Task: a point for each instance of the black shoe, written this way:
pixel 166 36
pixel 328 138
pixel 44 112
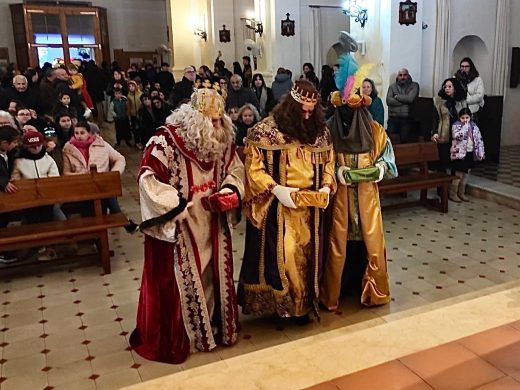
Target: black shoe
pixel 131 227
pixel 7 258
pixel 303 320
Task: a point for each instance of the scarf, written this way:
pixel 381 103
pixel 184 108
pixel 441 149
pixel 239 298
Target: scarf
pixel 351 130
pixel 83 146
pixel 261 94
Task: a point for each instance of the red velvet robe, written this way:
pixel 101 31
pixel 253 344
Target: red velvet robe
pixel 187 300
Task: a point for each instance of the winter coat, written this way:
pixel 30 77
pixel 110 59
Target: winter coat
pixel 400 98
pixel 182 90
pixel 241 97
pixel 282 84
pixel 104 156
pixel 134 102
pixel 475 95
pixel 34 166
pixel 459 143
pixel 377 110
pixel 445 117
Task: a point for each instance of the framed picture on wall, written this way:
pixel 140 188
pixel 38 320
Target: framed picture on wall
pixel 407 12
pixel 287 26
pixel 224 35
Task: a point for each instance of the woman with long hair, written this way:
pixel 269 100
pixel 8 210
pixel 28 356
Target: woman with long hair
pixel 450 100
pixel 264 94
pixel 470 79
pixel 376 109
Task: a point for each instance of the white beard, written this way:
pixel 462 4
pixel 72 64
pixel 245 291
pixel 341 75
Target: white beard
pixel 199 135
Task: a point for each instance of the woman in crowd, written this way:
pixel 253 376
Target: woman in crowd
pixel 450 100
pixel 376 109
pixel 472 82
pixel 264 95
pixel 23 115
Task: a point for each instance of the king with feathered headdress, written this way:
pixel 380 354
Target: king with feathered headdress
pixel 364 156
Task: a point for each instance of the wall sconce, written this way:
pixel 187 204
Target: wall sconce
pixel 201 33
pixel 354 10
pixel 252 24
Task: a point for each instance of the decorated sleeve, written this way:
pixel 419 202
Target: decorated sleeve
pixel 259 182
pixel 384 152
pixel 329 176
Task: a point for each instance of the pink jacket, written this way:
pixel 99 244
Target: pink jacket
pixel 104 156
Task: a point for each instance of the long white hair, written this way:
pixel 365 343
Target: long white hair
pixel 198 132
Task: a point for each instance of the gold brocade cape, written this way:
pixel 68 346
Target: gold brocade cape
pixel 362 199
pixel 283 246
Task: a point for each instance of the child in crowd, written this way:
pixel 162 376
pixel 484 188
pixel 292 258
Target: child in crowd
pixel 233 114
pixel 248 116
pixel 146 119
pixel 64 125
pixel 8 143
pixel 35 163
pixel 23 115
pixel 133 106
pixel 119 113
pixel 84 150
pixel 466 148
pixel 78 84
pixel 63 104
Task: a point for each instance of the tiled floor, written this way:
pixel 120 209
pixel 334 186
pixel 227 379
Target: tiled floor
pixel 507 171
pixel 67 327
pixel 484 361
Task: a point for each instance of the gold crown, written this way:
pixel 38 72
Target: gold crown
pixel 304 97
pixel 208 99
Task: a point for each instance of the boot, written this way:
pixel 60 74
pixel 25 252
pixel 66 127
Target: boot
pixel 462 187
pixel 454 187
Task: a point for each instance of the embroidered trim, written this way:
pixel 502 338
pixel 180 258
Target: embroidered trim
pixel 203 187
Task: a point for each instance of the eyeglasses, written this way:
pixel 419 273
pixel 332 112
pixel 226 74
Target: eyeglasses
pixel 465 66
pixel 24 114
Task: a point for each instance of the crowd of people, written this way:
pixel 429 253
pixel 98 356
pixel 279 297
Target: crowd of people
pixel 301 160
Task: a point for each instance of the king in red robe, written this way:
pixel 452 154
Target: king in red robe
pixel 190 184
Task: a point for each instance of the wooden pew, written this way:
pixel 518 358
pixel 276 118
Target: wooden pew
pixel 417 155
pixel 90 188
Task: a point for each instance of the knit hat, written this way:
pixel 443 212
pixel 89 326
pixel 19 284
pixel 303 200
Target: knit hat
pixel 33 138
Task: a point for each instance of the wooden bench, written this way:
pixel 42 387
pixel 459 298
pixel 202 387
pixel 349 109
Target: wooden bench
pixel 408 158
pixel 90 188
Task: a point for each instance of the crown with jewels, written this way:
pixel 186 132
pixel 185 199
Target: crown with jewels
pixel 304 97
pixel 208 98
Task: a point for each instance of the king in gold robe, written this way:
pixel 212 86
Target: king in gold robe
pixel 283 246
pixel 360 144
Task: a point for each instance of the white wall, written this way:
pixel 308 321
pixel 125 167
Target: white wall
pixel 133 25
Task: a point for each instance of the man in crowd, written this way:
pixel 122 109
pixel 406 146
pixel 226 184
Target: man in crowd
pixel 184 88
pixel 289 176
pixel 190 183
pixel 166 79
pixel 20 92
pixel 239 95
pixel 400 98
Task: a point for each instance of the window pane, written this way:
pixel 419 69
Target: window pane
pixel 82 53
pixel 46 28
pixel 53 55
pixel 80 29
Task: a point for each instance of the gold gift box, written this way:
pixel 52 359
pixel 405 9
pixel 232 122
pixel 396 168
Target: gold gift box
pixel 307 198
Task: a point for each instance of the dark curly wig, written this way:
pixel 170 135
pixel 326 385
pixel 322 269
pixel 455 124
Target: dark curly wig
pixel 289 117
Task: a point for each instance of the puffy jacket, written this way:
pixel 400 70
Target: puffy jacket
pixel 104 156
pixel 475 95
pixel 400 98
pixel 459 143
pixel 34 166
pixel 282 84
